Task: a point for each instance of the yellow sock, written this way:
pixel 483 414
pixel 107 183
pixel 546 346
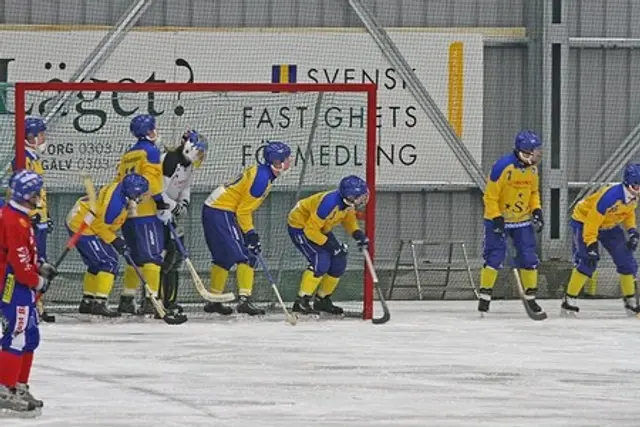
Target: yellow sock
pixel 529 278
pixel 104 284
pixel 218 279
pixel 244 276
pixel 576 282
pixel 627 285
pixel 328 285
pixel 592 285
pixel 130 281
pixel 89 284
pixel 488 276
pixel 151 274
pixel 308 284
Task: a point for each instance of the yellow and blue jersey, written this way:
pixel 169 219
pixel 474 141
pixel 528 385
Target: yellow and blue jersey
pixel 244 194
pixel 318 214
pixel 512 190
pixel 143 158
pixel 33 162
pixel 110 215
pixel 609 206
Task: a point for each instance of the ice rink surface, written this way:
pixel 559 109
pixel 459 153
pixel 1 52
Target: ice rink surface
pixel 433 364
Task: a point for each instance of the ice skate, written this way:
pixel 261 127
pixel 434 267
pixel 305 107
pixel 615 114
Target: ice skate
pixel 100 309
pixel 569 307
pixel 86 305
pixel 325 304
pixel 530 296
pixel 484 300
pixel 11 404
pixel 631 306
pixel 217 307
pixel 127 305
pixel 22 390
pixel 245 306
pixel 303 306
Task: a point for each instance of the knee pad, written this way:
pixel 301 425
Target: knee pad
pixel 338 265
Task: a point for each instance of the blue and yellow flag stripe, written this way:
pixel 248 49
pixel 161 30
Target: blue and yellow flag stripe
pixel 284 73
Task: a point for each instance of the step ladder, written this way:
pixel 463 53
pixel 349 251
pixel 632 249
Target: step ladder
pixel 448 266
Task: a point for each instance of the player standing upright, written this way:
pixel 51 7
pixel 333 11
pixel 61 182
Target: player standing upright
pixel 598 218
pixel 143 229
pixel 99 244
pixel 35 145
pixel 177 169
pixel 512 210
pixel 22 276
pixel 310 225
pixel 227 218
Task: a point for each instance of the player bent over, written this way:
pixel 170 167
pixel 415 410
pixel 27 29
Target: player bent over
pixel 227 218
pixel 177 169
pixel 598 218
pixel 21 279
pixel 99 245
pixel 512 210
pixel 143 230
pixel 310 224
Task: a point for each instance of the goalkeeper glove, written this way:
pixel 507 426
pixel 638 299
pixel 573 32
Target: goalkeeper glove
pixel 634 238
pixel 361 238
pixel 253 242
pixel 181 208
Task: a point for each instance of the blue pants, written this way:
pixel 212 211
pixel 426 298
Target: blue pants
pixel 613 240
pixel 145 238
pixel 224 238
pixel 40 232
pixel 321 261
pixel 97 255
pixel 524 242
pixel 18 306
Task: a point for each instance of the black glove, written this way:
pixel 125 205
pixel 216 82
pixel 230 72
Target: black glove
pixel 120 246
pixel 49 225
pixel 361 238
pixel 332 244
pixel 593 254
pixel 35 220
pixel 253 242
pixel 634 238
pixel 180 208
pixel 537 220
pixel 47 271
pixel 498 225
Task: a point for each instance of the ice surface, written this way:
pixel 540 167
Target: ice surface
pixel 433 364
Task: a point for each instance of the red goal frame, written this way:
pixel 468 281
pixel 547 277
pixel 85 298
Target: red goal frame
pixel 370 89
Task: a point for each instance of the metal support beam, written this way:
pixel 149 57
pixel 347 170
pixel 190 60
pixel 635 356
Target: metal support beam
pixel 420 93
pixel 555 69
pixel 603 43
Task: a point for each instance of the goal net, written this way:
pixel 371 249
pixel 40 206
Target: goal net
pixel 329 128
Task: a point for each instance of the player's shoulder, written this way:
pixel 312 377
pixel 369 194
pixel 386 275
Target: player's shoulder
pixel 327 202
pixel 170 161
pixel 610 195
pixel 503 164
pixel 152 151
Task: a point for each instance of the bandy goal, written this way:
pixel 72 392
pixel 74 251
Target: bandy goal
pixel 331 129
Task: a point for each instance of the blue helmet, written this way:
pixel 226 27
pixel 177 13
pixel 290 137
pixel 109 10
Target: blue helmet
pixel 275 151
pixel 24 184
pixel 354 191
pixel 142 125
pixel 527 141
pixel 631 175
pixel 33 126
pixel 134 186
pixel 194 146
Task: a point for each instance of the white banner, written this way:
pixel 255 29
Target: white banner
pixel 94 130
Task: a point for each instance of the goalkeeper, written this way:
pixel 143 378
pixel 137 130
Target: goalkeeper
pixel 177 169
pixel 143 230
pixel 99 245
pixel 605 217
pixel 227 219
pixel 310 225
